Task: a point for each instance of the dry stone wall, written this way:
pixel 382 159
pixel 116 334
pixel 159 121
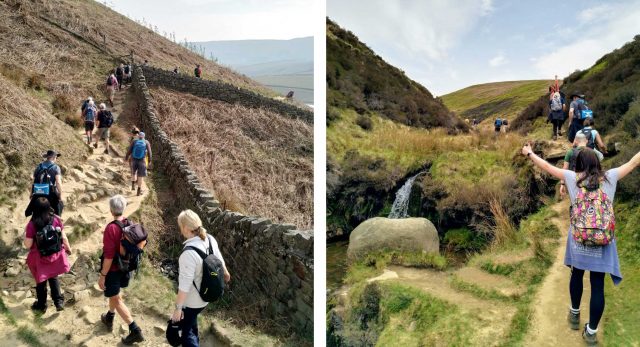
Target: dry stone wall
pixel 221 91
pixel 271 264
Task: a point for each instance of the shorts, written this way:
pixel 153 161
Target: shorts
pixel 89 125
pixel 114 281
pixel 139 166
pixel 103 133
pixel 497 129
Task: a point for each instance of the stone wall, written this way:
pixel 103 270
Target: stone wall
pixel 221 91
pixel 271 264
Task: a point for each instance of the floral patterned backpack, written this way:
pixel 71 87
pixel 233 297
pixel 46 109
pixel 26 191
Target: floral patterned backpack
pixel 592 219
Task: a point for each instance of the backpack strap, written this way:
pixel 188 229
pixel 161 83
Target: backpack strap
pixel 202 255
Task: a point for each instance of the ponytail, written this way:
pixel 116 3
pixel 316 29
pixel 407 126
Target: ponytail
pixel 202 232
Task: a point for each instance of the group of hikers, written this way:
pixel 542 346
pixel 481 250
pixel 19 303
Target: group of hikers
pixel 591 243
pixel 197 72
pixel 123 240
pixel 500 124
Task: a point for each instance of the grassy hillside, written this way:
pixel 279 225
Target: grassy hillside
pixel 256 162
pixel 359 79
pixel 498 99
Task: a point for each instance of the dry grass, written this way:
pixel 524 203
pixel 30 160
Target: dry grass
pixel 504 231
pixel 255 161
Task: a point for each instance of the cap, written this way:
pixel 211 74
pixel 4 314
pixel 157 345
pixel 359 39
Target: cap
pixel 51 153
pixel 141 135
pixel 173 333
pixel 581 96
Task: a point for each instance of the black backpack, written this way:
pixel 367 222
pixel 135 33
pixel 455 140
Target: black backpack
pixel 44 182
pixel 108 119
pixel 49 239
pixel 134 239
pixel 591 141
pixel 574 158
pixel 119 71
pixel 212 285
pixel 126 69
pixel 109 81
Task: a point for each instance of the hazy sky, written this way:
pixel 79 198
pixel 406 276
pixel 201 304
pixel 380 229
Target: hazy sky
pixel 448 45
pixel 210 20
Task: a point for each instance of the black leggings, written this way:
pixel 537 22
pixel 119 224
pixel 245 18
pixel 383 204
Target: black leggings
pixel 557 125
pixel 596 305
pixel 56 296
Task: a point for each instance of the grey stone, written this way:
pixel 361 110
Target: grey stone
pixel 408 234
pixel 159 329
pixel 81 295
pixel 12 271
pixel 85 310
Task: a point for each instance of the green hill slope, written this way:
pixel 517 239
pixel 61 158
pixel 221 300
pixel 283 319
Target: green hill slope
pixel 359 79
pixel 490 100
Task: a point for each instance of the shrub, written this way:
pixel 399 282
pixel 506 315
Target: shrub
pixel 61 103
pixel 36 81
pixel 364 122
pixel 73 121
pixel 463 239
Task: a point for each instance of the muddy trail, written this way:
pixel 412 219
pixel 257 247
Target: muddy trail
pixel 87 188
pixel 549 323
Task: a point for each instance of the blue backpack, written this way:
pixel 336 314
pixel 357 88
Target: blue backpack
pixel 139 149
pixel 498 122
pixel 582 111
pixel 90 114
pixel 44 182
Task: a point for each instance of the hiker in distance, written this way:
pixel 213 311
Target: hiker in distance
pixel 556 113
pixel 505 124
pixel 140 153
pixel 89 119
pixel 591 244
pixel 114 273
pixel 200 253
pixel 112 85
pixel 198 71
pixel 47 244
pixel 120 75
pixel 578 112
pixel 47 183
pixel 498 125
pixel 127 74
pixel 105 120
pixel 571 157
pixel 175 70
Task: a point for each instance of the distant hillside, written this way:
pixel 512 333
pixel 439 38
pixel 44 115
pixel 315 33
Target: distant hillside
pixel 489 100
pixel 359 79
pixel 281 65
pixel 612 89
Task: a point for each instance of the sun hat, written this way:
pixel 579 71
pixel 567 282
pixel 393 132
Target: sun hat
pixel 173 333
pixel 51 153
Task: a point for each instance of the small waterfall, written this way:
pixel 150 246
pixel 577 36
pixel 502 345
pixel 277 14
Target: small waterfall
pixel 401 203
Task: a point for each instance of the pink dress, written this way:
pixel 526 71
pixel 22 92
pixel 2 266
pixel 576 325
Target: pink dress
pixel 43 268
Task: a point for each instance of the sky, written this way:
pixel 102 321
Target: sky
pixel 448 45
pixel 213 20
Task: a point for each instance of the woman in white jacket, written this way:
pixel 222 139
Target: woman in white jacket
pixel 188 302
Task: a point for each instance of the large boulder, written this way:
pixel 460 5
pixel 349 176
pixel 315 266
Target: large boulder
pixel 407 234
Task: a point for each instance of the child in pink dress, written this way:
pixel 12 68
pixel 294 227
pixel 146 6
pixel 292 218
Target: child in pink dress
pixel 46 268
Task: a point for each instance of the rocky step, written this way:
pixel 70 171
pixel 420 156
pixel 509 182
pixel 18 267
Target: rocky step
pixel 490 282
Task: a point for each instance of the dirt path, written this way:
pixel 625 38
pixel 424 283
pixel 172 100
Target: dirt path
pixel 87 188
pixel 549 326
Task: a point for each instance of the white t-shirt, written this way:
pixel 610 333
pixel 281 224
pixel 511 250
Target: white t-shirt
pixel 191 269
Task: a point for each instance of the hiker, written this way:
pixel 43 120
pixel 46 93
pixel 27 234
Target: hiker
pixel 85 104
pixel 498 125
pixel 505 124
pixel 570 158
pixel 556 113
pixel 139 150
pixel 112 279
pixel 189 302
pixel 127 74
pixel 47 259
pixel 593 137
pixel 289 95
pixel 120 75
pixel 105 120
pixel 146 63
pixel 175 70
pixel 47 183
pixel 112 85
pixel 89 119
pixel 589 188
pixel 197 71
pixel 578 112
pixel 475 123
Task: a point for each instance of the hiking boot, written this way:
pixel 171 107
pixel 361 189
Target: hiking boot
pixel 590 339
pixel 39 308
pixel 106 151
pixel 133 337
pixel 555 137
pixel 133 185
pixel 139 191
pixel 107 321
pixel 574 320
pixel 95 145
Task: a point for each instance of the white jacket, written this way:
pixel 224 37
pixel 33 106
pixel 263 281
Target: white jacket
pixel 191 269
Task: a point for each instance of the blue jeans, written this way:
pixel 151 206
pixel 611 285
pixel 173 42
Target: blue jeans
pixel 190 327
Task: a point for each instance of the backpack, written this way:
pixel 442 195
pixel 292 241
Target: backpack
pixel 126 69
pixel 574 158
pixel 592 218
pixel 44 183
pixel 212 285
pixel 583 111
pixel 498 122
pixel 139 149
pixel 119 71
pixel 132 243
pixel 90 114
pixel 109 81
pixel 107 119
pixel 84 105
pixel 591 140
pixel 556 102
pixel 49 239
